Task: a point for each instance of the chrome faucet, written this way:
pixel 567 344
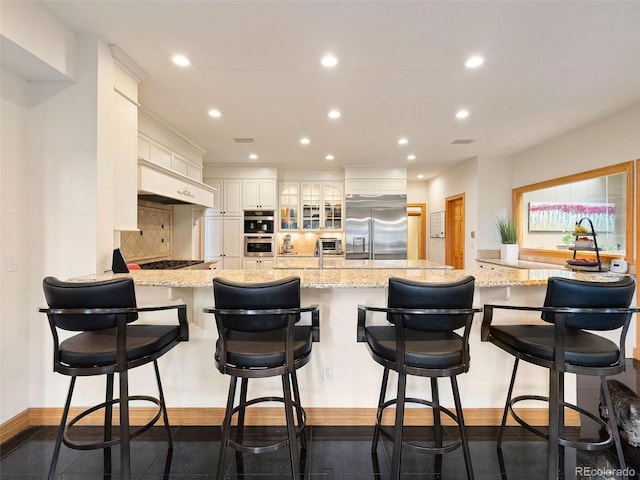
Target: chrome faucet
pixel 320 252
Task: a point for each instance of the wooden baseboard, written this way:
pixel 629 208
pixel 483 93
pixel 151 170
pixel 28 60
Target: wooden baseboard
pixel 15 425
pixel 274 416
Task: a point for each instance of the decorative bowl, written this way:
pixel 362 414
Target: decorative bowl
pixel 583 244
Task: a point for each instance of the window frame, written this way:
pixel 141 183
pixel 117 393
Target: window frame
pixel 606 256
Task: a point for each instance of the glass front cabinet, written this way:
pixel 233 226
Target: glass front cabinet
pixel 311 206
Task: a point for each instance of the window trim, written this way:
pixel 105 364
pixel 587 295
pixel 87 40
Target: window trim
pixel 626 167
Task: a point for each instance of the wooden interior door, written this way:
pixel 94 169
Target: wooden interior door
pixel 416 231
pixel 454 228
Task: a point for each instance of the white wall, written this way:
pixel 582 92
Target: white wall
pixel 608 141
pixel 461 179
pixel 15 225
pixel 494 198
pixel 57 193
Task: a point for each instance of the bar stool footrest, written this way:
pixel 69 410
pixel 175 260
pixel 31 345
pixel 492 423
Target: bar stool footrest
pixel 274 446
pixel 581 445
pixel 412 446
pixel 109 443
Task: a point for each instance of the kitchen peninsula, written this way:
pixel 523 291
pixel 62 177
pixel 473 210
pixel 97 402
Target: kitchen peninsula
pixel 193 385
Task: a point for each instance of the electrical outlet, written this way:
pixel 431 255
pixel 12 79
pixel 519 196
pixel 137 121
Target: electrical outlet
pixel 327 372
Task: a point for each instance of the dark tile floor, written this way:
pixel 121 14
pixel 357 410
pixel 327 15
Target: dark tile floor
pixel 338 453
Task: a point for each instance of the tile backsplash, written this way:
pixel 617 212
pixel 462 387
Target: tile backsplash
pixel 154 241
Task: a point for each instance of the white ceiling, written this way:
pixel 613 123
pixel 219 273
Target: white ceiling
pixel 551 66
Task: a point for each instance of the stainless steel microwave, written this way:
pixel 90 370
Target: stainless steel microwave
pixel 330 245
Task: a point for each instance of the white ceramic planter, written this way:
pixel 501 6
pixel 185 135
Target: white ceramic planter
pixel 509 252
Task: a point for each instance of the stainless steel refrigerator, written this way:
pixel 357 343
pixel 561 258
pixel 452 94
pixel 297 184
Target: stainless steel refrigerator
pixel 376 227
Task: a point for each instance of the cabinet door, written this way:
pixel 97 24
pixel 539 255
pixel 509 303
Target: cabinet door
pixel 217 196
pixel 332 212
pixel 267 194
pixel 212 237
pixel 266 264
pixel 311 199
pixel 232 242
pixel 251 264
pixel 232 194
pixel 259 194
pixel 232 263
pixel 251 194
pixel 289 206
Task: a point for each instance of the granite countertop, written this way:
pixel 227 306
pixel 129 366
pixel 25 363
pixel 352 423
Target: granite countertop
pixel 348 278
pixel 520 264
pixel 333 262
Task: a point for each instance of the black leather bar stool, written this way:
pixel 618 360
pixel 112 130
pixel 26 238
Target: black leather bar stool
pixel 419 338
pixel 566 343
pixel 108 342
pixel 260 334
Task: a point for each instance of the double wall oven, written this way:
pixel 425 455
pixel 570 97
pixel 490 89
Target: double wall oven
pixel 259 238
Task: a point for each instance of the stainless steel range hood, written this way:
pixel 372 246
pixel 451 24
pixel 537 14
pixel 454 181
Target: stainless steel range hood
pixel 162 185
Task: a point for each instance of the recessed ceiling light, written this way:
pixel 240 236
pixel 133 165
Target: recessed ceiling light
pixel 462 114
pixel 421 176
pixel 215 113
pixel 305 141
pixel 253 156
pixel 181 60
pixel 329 157
pixel 474 61
pixel 411 157
pixel 403 141
pixel 334 114
pixel 329 60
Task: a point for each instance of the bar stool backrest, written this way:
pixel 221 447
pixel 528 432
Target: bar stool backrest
pixel 405 293
pixel 118 293
pixel 267 295
pixel 566 292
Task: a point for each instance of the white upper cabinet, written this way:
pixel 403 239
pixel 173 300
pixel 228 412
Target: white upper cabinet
pixel 259 194
pixel 228 197
pixel 375 180
pixel 232 195
pixel 374 185
pixel 311 206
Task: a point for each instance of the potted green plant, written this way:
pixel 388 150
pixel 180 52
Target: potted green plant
pixel 508 231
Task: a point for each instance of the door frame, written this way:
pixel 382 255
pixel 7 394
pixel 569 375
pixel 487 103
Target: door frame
pixel 422 239
pixel 449 235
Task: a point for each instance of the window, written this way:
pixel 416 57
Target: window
pixel 547 212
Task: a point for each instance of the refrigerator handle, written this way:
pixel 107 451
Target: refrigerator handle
pixel 371 233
